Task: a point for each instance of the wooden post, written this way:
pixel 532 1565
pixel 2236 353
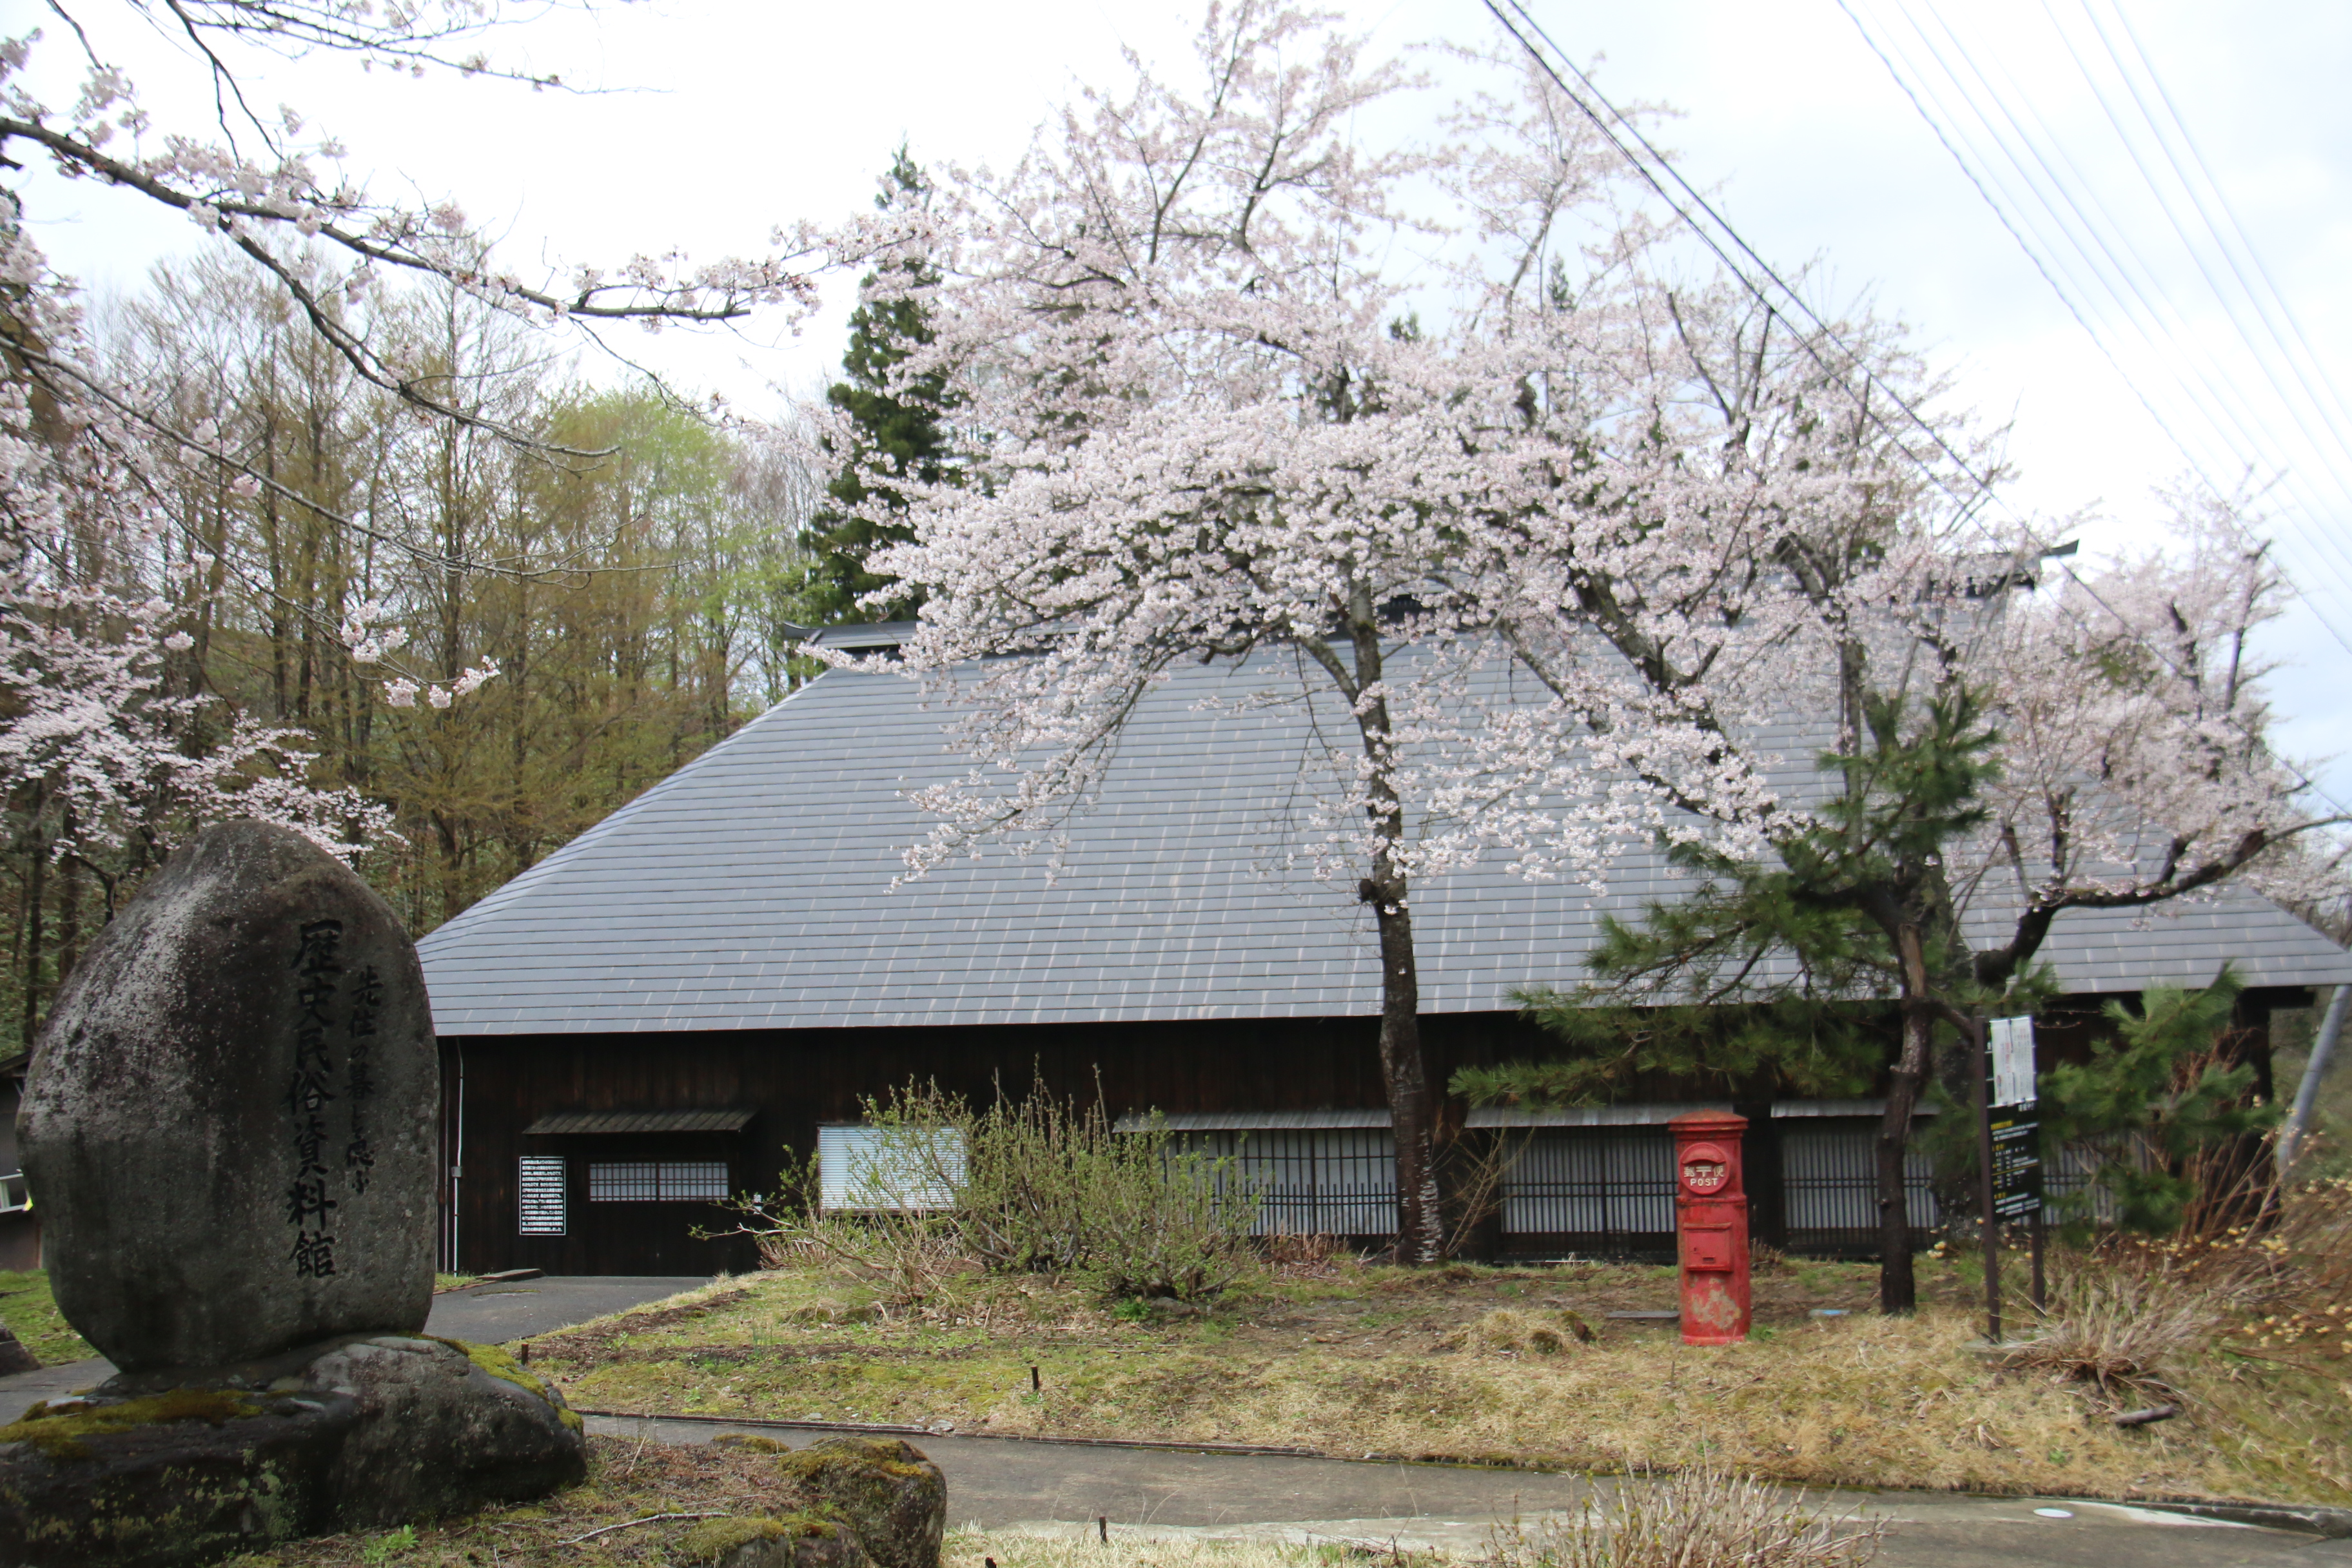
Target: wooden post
pixel 1981 1078
pixel 2041 1294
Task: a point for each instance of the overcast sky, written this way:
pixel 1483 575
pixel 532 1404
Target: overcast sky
pixel 727 116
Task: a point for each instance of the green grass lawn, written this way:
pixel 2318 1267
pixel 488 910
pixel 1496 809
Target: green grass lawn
pixel 30 1313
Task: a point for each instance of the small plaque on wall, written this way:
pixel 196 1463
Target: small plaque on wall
pixel 539 1195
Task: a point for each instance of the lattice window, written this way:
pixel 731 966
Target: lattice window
pixel 687 1179
pixel 539 1187
pixel 623 1182
pixel 657 1181
pixel 1828 1180
pixel 2070 1187
pixel 1325 1181
pixel 1617 1182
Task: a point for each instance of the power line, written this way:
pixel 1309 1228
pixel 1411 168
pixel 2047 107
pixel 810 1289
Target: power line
pixel 2221 244
pixel 2181 228
pixel 1913 84
pixel 1652 177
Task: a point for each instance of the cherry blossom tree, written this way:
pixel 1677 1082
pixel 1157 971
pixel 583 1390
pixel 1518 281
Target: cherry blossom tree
pixel 2098 744
pixel 109 757
pixel 1186 333
pixel 1214 423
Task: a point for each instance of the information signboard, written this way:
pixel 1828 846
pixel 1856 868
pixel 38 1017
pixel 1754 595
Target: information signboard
pixel 2016 1164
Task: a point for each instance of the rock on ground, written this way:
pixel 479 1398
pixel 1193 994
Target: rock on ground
pixel 357 1432
pixel 884 1489
pixel 229 1122
pixel 863 1502
pixel 794 1541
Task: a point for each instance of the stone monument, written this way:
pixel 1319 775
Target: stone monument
pixel 229 1126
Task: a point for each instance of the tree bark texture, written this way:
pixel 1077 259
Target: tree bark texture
pixel 1404 1072
pixel 1898 1288
pixel 1421 1231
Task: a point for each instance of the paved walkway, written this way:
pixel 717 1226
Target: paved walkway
pixel 489 1312
pixel 494 1313
pixel 1042 1487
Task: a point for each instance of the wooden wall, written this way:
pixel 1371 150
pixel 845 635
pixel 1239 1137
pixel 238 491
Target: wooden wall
pixel 795 1080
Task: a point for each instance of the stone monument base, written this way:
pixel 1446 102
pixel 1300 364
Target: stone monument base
pixel 354 1433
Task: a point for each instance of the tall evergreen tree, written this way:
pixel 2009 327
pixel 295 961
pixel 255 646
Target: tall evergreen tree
pixel 896 432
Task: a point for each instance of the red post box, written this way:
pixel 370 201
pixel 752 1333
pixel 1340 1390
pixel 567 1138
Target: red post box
pixel 1711 1228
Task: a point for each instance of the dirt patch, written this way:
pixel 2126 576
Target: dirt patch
pixel 603 1339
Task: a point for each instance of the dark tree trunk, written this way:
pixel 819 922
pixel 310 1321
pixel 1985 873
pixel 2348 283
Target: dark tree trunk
pixel 1421 1225
pixel 35 891
pixel 69 902
pixel 1404 1071
pixel 1759 1155
pixel 1898 1289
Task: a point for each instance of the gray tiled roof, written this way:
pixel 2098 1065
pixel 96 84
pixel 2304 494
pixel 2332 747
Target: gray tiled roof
pixel 753 889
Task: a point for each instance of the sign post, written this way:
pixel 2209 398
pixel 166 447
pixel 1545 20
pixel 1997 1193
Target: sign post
pixel 2015 1134
pixel 2010 1146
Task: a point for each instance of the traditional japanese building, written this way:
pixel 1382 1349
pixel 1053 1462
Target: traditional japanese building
pixel 724 970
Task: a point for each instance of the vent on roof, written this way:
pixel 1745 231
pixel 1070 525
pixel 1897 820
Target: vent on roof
pixel 575 1121
pixel 881 636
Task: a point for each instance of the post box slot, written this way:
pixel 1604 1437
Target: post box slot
pixel 1707 1249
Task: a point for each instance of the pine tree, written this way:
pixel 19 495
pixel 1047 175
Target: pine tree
pixel 896 433
pixel 1814 972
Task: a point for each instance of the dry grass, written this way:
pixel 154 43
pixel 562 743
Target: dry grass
pixel 1353 1360
pixel 1701 1518
pixel 1172 1549
pixel 627 1481
pixel 2120 1331
pixel 1539 1333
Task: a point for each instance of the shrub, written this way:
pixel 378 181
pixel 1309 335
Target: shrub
pixel 1055 1187
pixel 2166 1108
pixel 1033 1186
pixel 905 1255
pixel 1698 1518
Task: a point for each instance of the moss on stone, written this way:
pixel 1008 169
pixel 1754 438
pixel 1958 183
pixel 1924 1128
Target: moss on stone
pixel 58 1434
pixel 750 1443
pixel 505 1368
pixel 715 1538
pixel 851 1459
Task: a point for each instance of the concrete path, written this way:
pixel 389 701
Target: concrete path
pixel 1042 1488
pixel 495 1313
pixel 489 1312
